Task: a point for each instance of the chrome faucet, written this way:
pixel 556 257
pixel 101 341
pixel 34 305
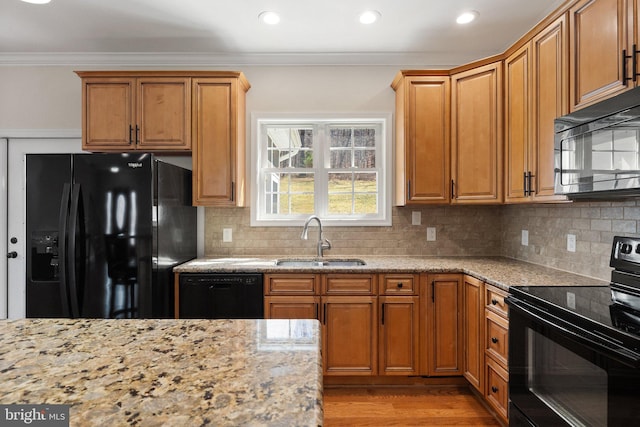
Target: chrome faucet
pixel 322 242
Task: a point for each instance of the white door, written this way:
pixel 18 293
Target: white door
pixel 16 229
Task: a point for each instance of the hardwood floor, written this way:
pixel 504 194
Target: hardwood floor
pixel 404 406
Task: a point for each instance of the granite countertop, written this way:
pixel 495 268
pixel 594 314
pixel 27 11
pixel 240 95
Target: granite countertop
pixel 498 271
pixel 166 372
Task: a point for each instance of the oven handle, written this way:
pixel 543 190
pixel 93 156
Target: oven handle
pixel 582 336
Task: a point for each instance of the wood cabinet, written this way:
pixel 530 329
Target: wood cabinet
pixel 535 94
pixel 441 305
pixel 601 36
pixel 496 347
pixel 423 125
pixel 473 331
pixel 476 135
pixel 291 296
pixel 219 146
pixel 127 111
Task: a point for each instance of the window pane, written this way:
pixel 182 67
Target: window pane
pixel 366 183
pixel 289 193
pixel 364 159
pixel 340 204
pixel 340 159
pixel 340 137
pixel 302 204
pixel 340 182
pixel 366 204
pixel 364 137
pixel 290 147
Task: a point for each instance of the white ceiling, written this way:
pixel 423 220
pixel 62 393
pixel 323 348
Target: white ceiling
pixel 411 32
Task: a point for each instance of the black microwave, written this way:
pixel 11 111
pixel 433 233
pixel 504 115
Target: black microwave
pixel 597 149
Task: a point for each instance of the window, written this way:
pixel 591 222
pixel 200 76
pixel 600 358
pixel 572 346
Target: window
pixel 335 168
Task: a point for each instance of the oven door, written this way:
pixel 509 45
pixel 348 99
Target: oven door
pixel 562 374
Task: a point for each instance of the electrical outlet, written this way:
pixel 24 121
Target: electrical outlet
pixel 525 237
pixel 571 242
pixel 571 300
pixel 431 234
pixel 227 235
pixel 416 218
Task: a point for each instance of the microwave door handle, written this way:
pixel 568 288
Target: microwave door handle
pixel 587 338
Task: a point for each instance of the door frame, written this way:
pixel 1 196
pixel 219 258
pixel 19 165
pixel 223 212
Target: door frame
pixel 19 143
pixel 4 249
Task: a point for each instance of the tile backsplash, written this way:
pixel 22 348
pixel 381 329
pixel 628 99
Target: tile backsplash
pixel 460 231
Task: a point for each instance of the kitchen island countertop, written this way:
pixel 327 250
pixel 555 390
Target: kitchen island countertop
pixel 498 271
pixel 166 372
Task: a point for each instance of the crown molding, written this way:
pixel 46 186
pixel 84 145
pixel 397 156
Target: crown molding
pixel 179 59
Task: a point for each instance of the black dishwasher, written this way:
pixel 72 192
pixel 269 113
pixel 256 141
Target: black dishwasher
pixel 221 296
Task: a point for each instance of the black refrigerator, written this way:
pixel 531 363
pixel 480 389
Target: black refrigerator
pixel 104 232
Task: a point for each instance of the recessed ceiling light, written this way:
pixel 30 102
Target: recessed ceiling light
pixel 37 1
pixel 369 16
pixel 466 17
pixel 270 18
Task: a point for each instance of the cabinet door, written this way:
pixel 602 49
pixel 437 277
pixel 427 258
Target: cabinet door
pixel 108 108
pixel 549 55
pixel 291 307
pixel 517 124
pixel 398 332
pixel 473 341
pixel 427 140
pixel 476 136
pixel 349 326
pixel 599 33
pixel 444 324
pixel 219 145
pixel 163 117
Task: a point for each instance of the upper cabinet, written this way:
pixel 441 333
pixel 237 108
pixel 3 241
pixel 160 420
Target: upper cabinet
pixel 535 94
pixel 476 135
pixel 422 137
pixel 134 112
pixel 601 50
pixel 219 150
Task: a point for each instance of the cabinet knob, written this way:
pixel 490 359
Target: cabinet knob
pixel 494 301
pixel 400 284
pixel 494 340
pixel 494 389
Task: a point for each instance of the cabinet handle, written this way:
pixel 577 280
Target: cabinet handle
pixel 529 178
pixel 137 134
pixel 634 63
pixel 409 190
pixel 494 340
pixel 382 316
pixel 317 311
pixel 399 284
pixel 130 134
pixel 453 193
pixel 494 301
pixel 494 389
pixel 625 79
pixel 324 317
pixel 433 291
pixel 233 191
pixel 524 185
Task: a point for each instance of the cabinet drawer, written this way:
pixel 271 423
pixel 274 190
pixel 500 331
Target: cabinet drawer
pixel 398 284
pixel 497 337
pixel 494 299
pixel 349 284
pixel 497 388
pixel 291 284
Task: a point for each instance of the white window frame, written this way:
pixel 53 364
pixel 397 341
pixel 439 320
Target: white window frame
pixel 384 161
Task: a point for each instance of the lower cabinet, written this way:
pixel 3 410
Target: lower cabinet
pixel 473 331
pixel 398 335
pixel 496 351
pixel 291 307
pixel 441 305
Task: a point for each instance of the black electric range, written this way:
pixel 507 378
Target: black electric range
pixel 574 351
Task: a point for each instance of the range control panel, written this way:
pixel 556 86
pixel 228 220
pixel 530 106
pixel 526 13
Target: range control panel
pixel 625 254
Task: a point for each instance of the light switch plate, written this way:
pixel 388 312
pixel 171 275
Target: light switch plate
pixel 571 242
pixel 227 235
pixel 416 218
pixel 431 234
pixel 525 237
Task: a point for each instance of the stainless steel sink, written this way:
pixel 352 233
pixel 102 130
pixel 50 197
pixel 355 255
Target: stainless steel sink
pixel 320 262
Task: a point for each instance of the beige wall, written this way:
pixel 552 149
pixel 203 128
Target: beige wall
pixel 49 98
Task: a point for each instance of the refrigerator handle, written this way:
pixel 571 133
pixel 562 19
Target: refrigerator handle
pixel 62 248
pixel 74 218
